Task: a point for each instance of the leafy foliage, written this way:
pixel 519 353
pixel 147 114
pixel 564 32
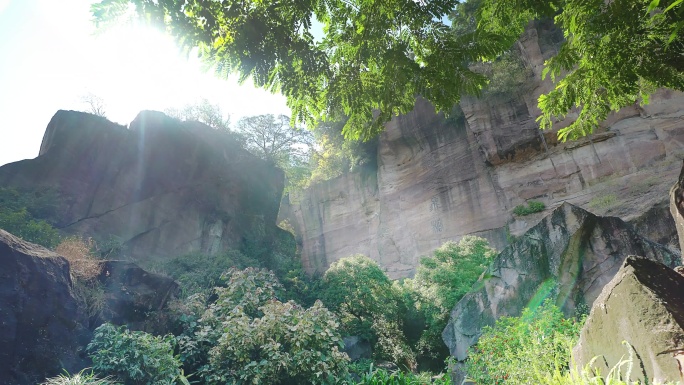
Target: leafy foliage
pixel 273 138
pixel 19 213
pixel 334 156
pixel 616 53
pixel 531 208
pixel 136 358
pixel 539 341
pixel 288 344
pixel 441 281
pixel 247 336
pixel 374 58
pixel 363 296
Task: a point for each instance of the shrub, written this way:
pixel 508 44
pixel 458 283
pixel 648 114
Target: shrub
pixel 531 208
pixel 21 224
pixel 81 378
pixel 442 280
pixel 287 345
pixel 539 341
pixel 362 295
pixel 136 358
pixel 247 336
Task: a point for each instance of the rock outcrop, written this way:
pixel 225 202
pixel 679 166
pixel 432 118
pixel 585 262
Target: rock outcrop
pixel 132 294
pixel 677 207
pixel 162 187
pixel 570 255
pixel 644 306
pixel 42 326
pixel 438 179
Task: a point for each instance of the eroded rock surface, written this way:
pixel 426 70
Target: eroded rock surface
pixel 42 328
pixel 439 179
pixel 571 250
pixel 644 306
pixel 677 207
pixel 132 294
pixel 162 188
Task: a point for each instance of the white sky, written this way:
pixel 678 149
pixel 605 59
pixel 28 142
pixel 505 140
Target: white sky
pixel 50 59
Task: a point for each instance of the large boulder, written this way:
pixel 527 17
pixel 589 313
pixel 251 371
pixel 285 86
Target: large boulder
pixel 42 325
pixel 571 255
pixel 132 295
pixel 644 306
pixel 162 187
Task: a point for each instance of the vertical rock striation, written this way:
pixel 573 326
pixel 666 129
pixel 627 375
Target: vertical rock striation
pixel 440 179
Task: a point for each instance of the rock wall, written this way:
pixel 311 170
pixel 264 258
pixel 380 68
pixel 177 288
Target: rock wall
pixel 644 306
pixel 42 325
pixel 570 255
pixel 439 180
pixel 161 187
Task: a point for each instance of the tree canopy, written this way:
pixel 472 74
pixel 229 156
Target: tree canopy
pixel 376 56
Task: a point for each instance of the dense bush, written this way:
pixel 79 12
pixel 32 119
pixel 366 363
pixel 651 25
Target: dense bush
pixel 247 335
pixel 135 358
pixel 441 281
pixel 531 208
pixel 368 306
pixel 23 226
pixel 511 352
pixel 23 214
pixel 287 345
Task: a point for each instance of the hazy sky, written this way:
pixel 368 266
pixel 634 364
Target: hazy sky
pixel 50 59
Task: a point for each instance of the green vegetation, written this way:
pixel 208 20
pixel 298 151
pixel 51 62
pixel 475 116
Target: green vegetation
pixel 363 297
pixel 84 377
pixel 374 57
pixel 531 208
pixel 615 54
pixel 518 348
pixel 603 202
pixel 26 215
pixel 247 336
pixel 200 273
pixel 384 377
pixel 135 358
pixel 441 281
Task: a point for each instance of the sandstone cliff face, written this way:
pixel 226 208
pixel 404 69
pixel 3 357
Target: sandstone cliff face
pixel 570 255
pixel 162 187
pixel 644 306
pixel 437 180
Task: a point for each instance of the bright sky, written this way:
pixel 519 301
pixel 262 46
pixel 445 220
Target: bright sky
pixel 50 59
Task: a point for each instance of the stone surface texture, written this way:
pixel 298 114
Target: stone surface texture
pixel 570 255
pixel 644 306
pixel 133 294
pixel 42 326
pixel 161 187
pixel 677 207
pixel 439 180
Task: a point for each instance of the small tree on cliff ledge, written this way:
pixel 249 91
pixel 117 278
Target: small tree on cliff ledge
pixel 376 56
